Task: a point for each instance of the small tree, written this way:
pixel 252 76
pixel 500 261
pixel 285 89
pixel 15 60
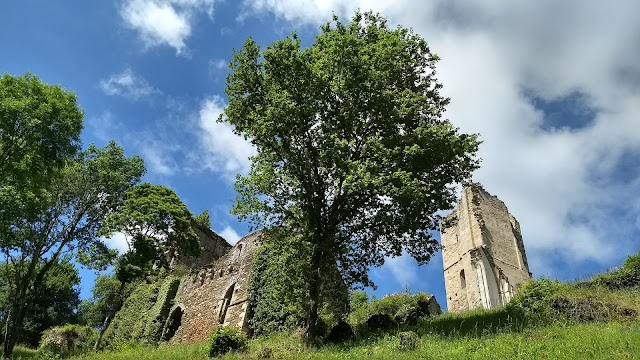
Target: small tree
pixel 157 227
pixel 55 304
pixel 352 152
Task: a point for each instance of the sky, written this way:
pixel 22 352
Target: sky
pixel 553 89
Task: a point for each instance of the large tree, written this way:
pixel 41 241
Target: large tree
pixel 353 153
pixel 40 127
pixel 89 189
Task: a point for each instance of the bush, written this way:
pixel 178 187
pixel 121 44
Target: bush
pixel 534 300
pixel 67 340
pixel 405 308
pixel 627 277
pixel 407 341
pixel 380 322
pixel 225 339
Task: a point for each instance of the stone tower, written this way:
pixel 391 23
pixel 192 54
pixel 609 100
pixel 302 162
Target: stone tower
pixel 483 252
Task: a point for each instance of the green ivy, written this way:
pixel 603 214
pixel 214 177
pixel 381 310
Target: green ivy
pixel 278 286
pixel 143 314
pixel 160 311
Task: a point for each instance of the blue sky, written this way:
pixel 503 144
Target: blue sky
pixel 553 89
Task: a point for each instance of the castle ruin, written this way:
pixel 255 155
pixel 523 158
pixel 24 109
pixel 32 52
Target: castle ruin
pixel 483 254
pixel 482 251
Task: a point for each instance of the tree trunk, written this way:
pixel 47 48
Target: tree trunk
pixel 11 333
pixel 109 318
pixel 311 333
pixel 105 325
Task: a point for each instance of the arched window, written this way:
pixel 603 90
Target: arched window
pixel 224 306
pixel 173 323
pixel 239 250
pixel 463 280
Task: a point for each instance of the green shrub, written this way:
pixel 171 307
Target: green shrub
pixel 404 308
pixel 67 340
pixel 626 277
pixel 225 339
pixel 533 301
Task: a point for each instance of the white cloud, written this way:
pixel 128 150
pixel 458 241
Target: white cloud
pixel 164 22
pixel 128 85
pixel 217 65
pixel 230 235
pixel 223 151
pixel 403 269
pixel 117 241
pixel 104 126
pixel 563 184
pixel 158 156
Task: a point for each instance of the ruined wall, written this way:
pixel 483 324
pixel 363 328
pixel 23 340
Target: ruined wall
pixel 214 246
pixel 213 295
pixel 483 252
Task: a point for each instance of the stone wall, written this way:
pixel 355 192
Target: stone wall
pixel 214 246
pixel 483 252
pixel 213 295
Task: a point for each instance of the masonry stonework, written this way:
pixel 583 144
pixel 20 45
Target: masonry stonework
pixel 215 292
pixel 483 252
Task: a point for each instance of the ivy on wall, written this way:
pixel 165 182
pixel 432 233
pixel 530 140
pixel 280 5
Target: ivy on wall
pixel 278 286
pixel 143 314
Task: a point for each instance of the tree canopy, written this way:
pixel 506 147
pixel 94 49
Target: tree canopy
pixel 65 223
pixel 157 227
pixel 353 153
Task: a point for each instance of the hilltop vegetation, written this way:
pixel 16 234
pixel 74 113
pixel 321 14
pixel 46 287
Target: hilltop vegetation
pixel 595 319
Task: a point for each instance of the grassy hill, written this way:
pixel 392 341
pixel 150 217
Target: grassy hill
pixel 594 319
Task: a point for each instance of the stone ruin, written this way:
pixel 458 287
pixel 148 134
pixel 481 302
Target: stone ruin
pixel 482 251
pixel 216 290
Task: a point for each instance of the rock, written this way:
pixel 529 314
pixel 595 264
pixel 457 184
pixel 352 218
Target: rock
pixel 407 341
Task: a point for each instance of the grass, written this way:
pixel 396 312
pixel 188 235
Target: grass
pixel 612 340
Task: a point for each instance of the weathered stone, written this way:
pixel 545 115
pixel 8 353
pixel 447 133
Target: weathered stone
pixel 407 341
pixel 483 252
pixel 215 294
pixel 433 307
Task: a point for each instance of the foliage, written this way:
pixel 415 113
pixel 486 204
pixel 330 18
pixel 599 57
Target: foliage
pixel 276 291
pixel 54 305
pixel 143 314
pixel 89 189
pixel 154 221
pixel 402 308
pixel 626 277
pixel 67 340
pixel 534 299
pixel 224 340
pixel 352 152
pixel 129 323
pixel 160 310
pixel 107 293
pixel 277 280
pixel 40 128
pixel 203 219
